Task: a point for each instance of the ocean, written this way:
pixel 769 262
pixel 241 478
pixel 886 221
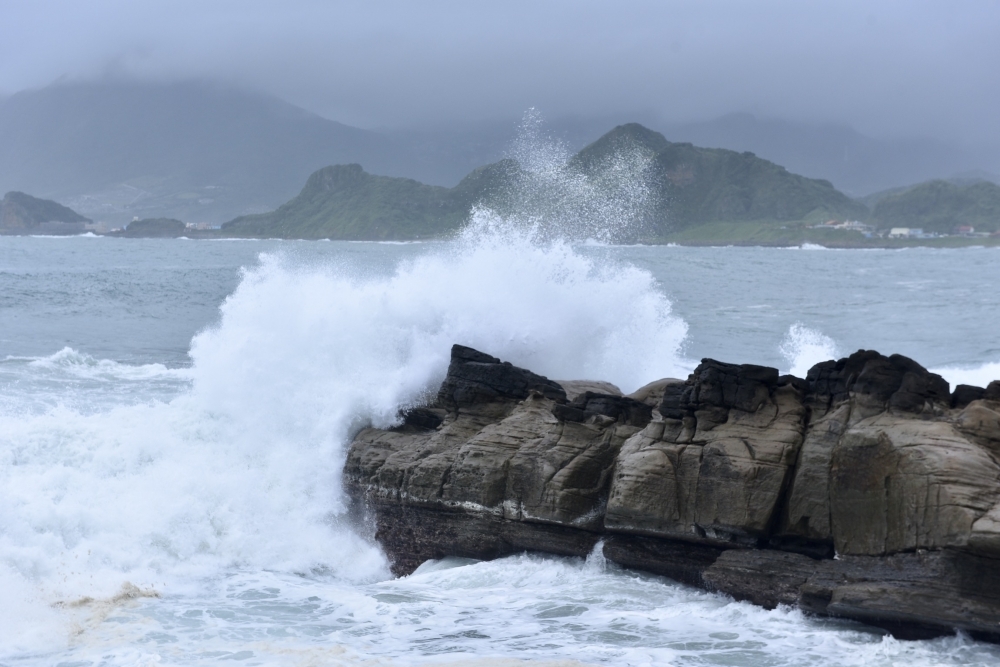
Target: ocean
pixel 174 416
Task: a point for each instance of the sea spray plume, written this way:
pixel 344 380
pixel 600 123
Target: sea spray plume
pixel 327 349
pixel 609 198
pixel 243 470
pixel 305 355
pixel 803 348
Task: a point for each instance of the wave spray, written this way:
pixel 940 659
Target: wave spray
pixel 239 471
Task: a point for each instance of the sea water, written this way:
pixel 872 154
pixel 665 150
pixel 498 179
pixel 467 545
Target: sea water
pixel 174 416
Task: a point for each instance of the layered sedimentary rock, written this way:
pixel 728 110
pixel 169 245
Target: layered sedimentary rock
pixel 866 490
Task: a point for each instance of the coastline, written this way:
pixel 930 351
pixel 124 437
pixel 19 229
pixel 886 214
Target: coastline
pixel 945 242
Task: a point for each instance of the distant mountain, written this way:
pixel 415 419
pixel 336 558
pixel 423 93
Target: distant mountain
pixel 346 202
pixel 207 153
pixel 941 206
pixel 856 164
pixel 691 186
pixel 24 214
pixel 195 151
pixel 963 179
pixel 443 153
pixel 702 185
pixel 153 228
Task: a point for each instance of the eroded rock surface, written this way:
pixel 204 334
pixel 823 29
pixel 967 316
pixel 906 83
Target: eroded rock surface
pixel 737 480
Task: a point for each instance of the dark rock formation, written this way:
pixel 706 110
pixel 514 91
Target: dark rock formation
pixel 736 480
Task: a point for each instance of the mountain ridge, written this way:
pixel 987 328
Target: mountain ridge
pixel 206 152
pixel 21 213
pixel 941 206
pixel 692 186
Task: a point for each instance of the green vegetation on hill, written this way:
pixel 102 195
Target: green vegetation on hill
pixel 705 185
pixel 346 202
pixel 23 213
pixel 690 187
pixel 940 206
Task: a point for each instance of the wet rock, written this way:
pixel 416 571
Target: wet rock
pixel 898 485
pixel 965 394
pixel 876 383
pixel 498 453
pixel 914 594
pixel 475 379
pixel 736 480
pixel 867 398
pixel 586 406
pixel 715 467
pixel 652 394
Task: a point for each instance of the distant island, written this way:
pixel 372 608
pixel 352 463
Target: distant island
pixel 152 228
pixel 24 214
pixel 693 196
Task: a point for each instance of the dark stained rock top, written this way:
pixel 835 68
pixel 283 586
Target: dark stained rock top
pixel 879 383
pixel 474 377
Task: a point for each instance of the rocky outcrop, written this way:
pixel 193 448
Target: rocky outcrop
pixel 865 490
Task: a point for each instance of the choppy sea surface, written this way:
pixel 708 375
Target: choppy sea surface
pixel 174 415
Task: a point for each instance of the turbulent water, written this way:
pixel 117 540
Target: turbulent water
pixel 173 418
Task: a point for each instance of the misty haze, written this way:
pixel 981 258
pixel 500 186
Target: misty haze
pixel 517 334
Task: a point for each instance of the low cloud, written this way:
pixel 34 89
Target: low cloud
pixel 895 68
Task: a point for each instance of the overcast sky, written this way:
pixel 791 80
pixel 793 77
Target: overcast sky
pixel 890 68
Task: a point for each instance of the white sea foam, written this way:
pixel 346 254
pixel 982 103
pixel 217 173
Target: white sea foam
pixel 803 348
pixel 242 471
pixel 239 469
pixel 978 376
pixel 80 364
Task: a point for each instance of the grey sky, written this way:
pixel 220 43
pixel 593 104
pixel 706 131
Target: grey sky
pixel 891 68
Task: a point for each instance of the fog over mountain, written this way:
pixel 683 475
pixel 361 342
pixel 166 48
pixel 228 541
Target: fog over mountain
pixel 857 164
pixel 201 152
pixel 208 152
pixel 101 108
pixel 894 68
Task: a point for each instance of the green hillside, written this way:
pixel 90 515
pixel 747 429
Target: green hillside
pixel 940 206
pixel 690 187
pixel 21 213
pixel 707 185
pixel 346 202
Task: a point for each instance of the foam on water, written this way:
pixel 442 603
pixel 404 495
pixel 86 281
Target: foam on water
pixel 460 612
pixel 803 347
pixel 978 376
pixel 69 378
pixel 238 470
